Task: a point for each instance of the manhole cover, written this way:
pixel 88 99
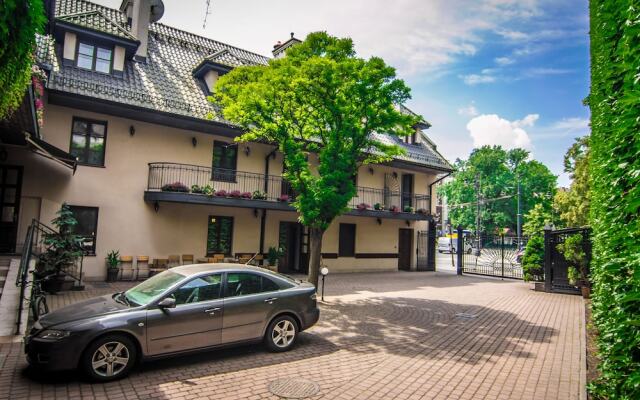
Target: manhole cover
pixel 293 388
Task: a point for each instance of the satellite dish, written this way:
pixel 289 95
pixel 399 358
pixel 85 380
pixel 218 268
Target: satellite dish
pixel 157 10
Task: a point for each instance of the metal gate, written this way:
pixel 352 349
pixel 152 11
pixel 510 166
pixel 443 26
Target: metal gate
pixel 426 249
pixel 556 266
pixel 490 255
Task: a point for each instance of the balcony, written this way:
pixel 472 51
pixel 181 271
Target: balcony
pixel 184 183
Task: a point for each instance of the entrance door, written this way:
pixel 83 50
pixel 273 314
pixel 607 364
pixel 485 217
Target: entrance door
pixel 405 246
pixel 10 186
pixel 407 191
pixel 292 241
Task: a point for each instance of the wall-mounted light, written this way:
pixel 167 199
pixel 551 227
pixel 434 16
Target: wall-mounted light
pixel 132 130
pixel 247 150
pixel 255 212
pixel 156 206
pixel 395 175
pixel 408 222
pixel 371 170
pixel 379 221
pixel 194 141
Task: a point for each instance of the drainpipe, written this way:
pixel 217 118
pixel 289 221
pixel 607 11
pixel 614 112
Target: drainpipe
pixel 263 219
pixel 431 187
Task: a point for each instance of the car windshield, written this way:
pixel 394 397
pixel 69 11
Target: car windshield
pixel 148 290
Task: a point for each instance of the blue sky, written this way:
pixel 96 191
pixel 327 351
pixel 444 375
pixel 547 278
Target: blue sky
pixel 510 72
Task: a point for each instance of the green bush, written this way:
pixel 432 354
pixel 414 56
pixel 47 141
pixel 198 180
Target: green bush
pixel 533 259
pixel 615 194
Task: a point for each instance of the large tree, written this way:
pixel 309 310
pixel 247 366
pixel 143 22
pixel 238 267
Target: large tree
pixel 496 173
pixel 20 20
pixel 322 99
pixel 573 204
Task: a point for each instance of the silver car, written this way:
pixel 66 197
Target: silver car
pixel 184 309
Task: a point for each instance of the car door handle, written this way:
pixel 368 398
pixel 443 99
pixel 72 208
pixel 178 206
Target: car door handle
pixel 270 300
pixel 212 311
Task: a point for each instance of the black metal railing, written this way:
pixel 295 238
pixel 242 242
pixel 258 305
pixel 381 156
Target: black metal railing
pixel 34 245
pixel 232 183
pixel 491 255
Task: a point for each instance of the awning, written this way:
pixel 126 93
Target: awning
pixel 51 152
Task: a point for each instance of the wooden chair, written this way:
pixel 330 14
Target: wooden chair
pixel 126 268
pixel 217 258
pixel 174 260
pixel 187 259
pixel 142 267
pixel 158 265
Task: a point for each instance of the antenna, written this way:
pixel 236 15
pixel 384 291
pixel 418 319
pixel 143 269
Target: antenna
pixel 207 12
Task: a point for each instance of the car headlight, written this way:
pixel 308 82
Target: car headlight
pixel 53 334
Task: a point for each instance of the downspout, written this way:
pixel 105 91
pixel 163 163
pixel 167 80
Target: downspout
pixel 431 188
pixel 263 219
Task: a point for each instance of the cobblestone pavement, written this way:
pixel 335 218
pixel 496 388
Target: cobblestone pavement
pixel 405 335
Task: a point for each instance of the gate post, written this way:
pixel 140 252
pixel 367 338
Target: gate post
pixel 502 252
pixel 460 250
pixel 547 259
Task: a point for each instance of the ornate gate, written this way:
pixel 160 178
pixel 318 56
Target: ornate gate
pixel 426 249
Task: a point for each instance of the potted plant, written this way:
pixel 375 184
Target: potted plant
pixel 175 187
pixel 363 206
pixel 408 209
pixel 113 265
pixel 273 255
pixel 246 195
pixel 258 195
pixel 422 211
pixel 283 198
pixel 221 193
pixel 197 189
pixel 394 209
pixel 378 207
pixel 63 248
pixel 235 194
pixel 208 190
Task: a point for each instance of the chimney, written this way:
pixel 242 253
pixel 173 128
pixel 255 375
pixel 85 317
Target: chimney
pixel 140 14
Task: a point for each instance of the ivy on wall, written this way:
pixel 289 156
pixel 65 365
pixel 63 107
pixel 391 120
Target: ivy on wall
pixel 615 207
pixel 20 20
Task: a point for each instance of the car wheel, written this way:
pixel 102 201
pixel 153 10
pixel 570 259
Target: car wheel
pixel 281 334
pixel 108 358
pixel 39 307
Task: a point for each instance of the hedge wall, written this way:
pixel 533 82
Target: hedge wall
pixel 615 178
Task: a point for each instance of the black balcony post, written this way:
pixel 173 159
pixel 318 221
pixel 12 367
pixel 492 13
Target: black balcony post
pixel 460 252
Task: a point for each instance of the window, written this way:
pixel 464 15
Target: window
pixel 87 226
pixel 204 288
pixel 219 235
pixel 243 283
pixel 88 141
pixel 225 161
pixel 94 58
pixel 347 240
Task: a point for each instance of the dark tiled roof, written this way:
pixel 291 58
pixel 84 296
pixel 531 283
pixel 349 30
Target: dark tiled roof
pixel 165 82
pixel 98 21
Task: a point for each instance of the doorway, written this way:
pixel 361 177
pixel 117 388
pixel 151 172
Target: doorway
pixel 293 240
pixel 405 247
pixel 10 187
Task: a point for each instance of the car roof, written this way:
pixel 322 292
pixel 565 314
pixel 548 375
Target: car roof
pixel 196 269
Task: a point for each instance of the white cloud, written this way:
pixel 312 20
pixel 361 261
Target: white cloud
pixel 468 111
pixel 547 71
pixel 512 35
pixel 475 79
pixel 571 124
pixel 490 129
pixel 502 61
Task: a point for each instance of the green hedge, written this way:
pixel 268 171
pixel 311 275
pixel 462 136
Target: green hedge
pixel 615 180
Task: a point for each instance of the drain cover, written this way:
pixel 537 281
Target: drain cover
pixel 293 388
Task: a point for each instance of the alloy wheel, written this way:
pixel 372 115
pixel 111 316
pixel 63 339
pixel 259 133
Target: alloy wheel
pixel 283 333
pixel 110 359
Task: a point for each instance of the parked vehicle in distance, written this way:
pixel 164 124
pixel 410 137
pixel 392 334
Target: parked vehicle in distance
pixel 186 308
pixel 450 245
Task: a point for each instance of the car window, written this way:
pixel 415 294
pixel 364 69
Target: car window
pixel 200 289
pixel 244 283
pixel 268 285
pixel 145 292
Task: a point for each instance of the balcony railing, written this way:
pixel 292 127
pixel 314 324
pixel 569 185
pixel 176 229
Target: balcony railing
pixel 219 182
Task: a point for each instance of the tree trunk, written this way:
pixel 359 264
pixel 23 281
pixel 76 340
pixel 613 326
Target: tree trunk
pixel 315 252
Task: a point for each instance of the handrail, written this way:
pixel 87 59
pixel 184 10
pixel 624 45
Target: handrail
pixel 222 180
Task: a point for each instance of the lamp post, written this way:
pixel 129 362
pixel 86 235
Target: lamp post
pixel 519 215
pixel 324 271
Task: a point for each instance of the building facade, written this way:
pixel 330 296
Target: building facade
pixel 131 142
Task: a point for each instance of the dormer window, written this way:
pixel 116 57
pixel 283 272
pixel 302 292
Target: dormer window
pixel 94 58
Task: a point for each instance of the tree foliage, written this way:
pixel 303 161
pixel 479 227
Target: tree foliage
pixel 533 259
pixel 615 194
pixel 498 171
pixel 573 204
pixel 319 99
pixel 20 20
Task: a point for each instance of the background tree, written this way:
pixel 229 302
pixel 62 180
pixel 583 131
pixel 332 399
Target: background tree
pixel 20 20
pixel 498 171
pixel 320 98
pixel 573 204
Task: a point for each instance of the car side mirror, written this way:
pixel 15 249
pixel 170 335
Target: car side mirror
pixel 167 302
